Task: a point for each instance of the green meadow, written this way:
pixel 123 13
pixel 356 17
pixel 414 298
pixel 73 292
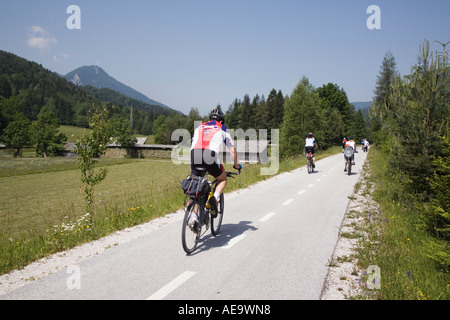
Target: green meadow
pixel 40 212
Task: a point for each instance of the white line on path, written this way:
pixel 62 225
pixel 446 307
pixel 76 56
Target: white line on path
pixel 233 241
pixel 172 285
pixel 311 185
pixel 267 217
pixel 287 202
pixel 301 192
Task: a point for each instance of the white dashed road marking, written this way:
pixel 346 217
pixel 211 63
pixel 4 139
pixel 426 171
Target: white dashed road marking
pixel 267 217
pixel 172 285
pixel 233 241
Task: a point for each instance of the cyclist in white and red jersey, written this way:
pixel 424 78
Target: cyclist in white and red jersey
pixel 352 144
pixel 205 150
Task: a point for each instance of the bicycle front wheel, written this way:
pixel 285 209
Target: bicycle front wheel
pixel 190 232
pixel 216 222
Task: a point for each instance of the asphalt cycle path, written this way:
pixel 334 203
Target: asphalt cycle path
pixel 275 242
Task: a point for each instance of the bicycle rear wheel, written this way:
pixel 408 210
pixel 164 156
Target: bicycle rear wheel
pixel 349 166
pixel 216 222
pixel 191 229
pixel 309 165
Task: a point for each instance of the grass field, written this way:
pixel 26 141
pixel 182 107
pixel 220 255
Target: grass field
pixel 34 207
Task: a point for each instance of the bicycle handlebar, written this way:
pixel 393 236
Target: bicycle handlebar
pixel 230 174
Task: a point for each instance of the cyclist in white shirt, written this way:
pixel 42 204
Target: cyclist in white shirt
pixel 310 146
pixel 366 145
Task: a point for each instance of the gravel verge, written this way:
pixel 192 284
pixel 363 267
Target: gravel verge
pixel 345 277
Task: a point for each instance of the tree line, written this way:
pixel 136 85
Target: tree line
pixel 325 111
pixel 29 93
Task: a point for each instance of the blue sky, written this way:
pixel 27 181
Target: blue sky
pixel 199 53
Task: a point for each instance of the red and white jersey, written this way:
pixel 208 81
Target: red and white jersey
pixel 210 135
pixel 351 143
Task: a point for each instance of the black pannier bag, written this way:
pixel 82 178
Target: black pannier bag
pixel 194 186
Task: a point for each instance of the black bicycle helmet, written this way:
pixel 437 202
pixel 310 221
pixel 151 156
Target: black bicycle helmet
pixel 217 114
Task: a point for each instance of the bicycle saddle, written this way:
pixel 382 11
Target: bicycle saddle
pixel 200 171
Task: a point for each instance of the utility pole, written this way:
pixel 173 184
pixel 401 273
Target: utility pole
pixel 131 118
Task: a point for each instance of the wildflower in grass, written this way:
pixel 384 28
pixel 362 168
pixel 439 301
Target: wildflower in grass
pixel 408 273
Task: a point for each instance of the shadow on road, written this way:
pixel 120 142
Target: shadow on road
pixel 227 233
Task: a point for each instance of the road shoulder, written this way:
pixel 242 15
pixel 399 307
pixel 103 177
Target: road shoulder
pixel 344 280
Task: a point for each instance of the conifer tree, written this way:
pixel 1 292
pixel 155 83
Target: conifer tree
pixel 233 115
pixel 380 103
pixel 417 118
pixel 247 113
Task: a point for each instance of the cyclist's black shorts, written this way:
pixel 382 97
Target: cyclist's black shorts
pixel 310 149
pixel 207 159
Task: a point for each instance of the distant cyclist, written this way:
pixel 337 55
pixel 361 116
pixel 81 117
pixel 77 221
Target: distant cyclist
pixel 310 146
pixel 344 142
pixel 205 150
pixel 350 144
pixel 366 145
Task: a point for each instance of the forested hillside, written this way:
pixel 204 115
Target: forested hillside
pixel 26 88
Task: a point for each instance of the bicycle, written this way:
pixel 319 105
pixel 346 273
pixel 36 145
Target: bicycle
pixel 309 160
pixel 193 221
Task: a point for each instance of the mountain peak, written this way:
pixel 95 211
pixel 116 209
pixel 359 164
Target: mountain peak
pixel 90 76
pixel 97 77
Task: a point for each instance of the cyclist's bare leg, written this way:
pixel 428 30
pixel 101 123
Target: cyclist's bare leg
pixel 221 183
